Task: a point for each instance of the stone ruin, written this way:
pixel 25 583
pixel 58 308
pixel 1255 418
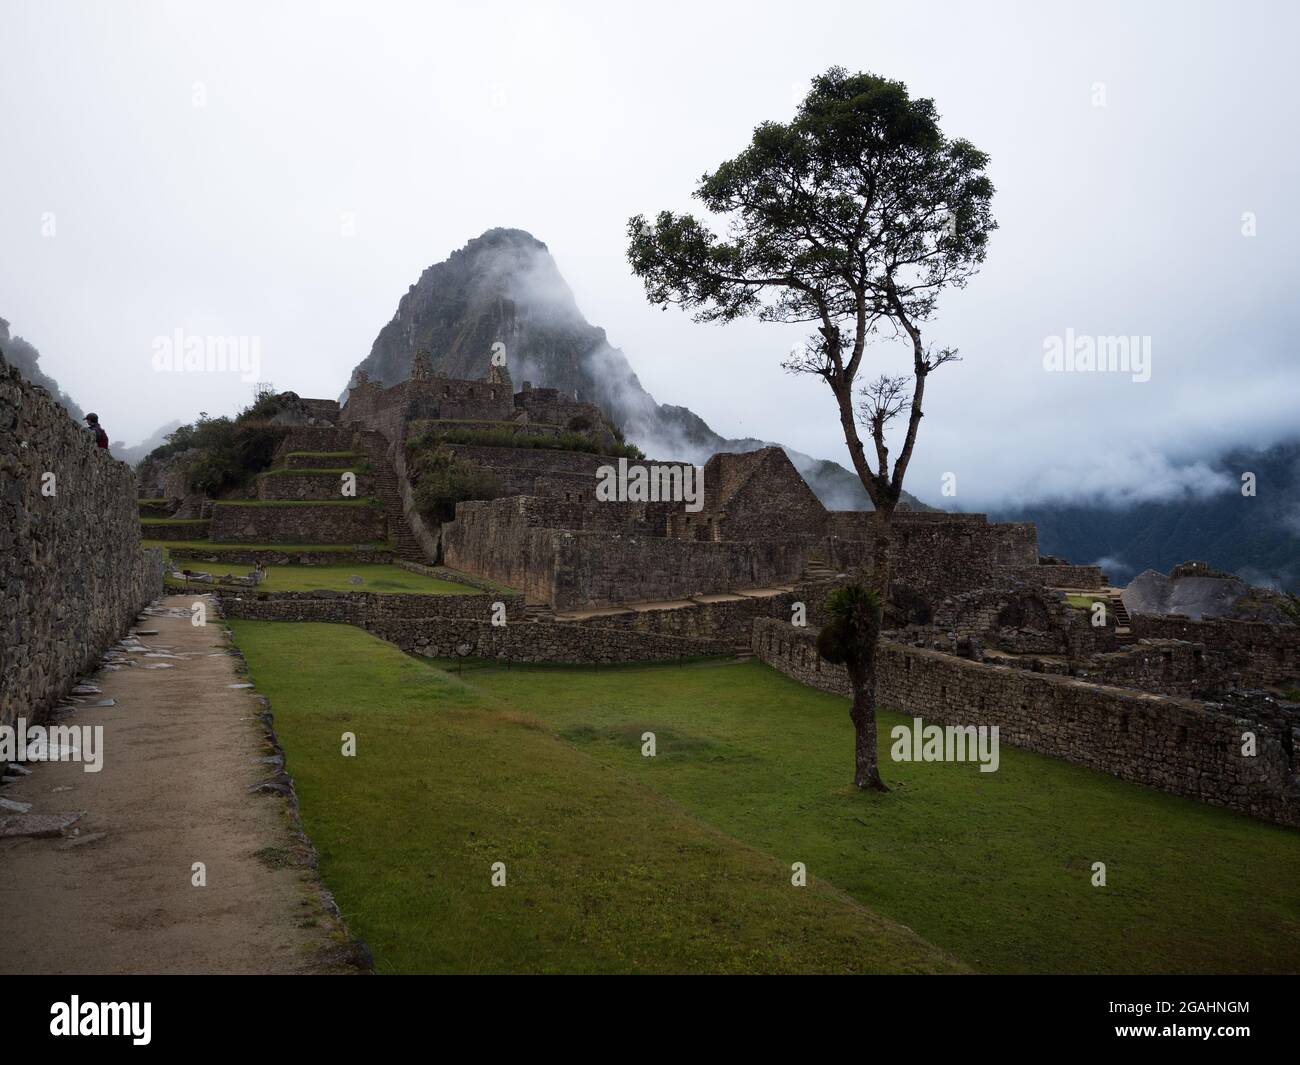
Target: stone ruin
pixel 980 626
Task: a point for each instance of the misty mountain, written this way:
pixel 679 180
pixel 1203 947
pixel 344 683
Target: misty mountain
pixel 504 286
pixel 20 353
pixel 1256 537
pixel 134 453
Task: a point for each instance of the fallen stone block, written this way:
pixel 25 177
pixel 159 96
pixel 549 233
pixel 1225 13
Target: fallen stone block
pixel 39 826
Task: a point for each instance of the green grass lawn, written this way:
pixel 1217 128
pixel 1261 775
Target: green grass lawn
pixel 1084 602
pixel 374 578
pixel 753 770
pixel 604 873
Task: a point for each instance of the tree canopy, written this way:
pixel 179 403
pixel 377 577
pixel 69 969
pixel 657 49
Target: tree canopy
pixel 854 217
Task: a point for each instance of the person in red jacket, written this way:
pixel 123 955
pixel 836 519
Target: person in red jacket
pixel 101 437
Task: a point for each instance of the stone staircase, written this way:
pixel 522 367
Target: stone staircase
pixel 1123 623
pixel 538 612
pixel 816 567
pixel 405 545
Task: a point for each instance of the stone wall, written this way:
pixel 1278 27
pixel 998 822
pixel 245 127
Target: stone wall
pixel 729 618
pixel 461 621
pixel 1065 576
pixel 201 555
pixel 315 438
pixel 753 495
pixel 535 460
pixel 365 608
pixel 390 410
pixel 1025 619
pixel 488 540
pixel 308 460
pixel 551 407
pixel 937 554
pixel 1261 655
pixel 298 523
pixel 193 529
pixel 1177 745
pixel 72 573
pixel 535 641
pixel 302 486
pixel 574 569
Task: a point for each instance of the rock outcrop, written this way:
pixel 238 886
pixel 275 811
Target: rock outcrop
pixel 1196 591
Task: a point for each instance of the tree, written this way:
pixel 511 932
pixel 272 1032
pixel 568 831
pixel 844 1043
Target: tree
pixel 851 638
pixel 853 217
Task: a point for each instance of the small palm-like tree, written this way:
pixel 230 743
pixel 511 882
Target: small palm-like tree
pixel 849 639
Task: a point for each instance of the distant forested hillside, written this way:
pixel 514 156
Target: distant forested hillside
pixel 1257 538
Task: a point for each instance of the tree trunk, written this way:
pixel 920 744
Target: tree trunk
pixel 864 679
pixel 866 769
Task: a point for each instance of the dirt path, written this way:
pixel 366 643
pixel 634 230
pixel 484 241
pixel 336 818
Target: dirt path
pixel 181 750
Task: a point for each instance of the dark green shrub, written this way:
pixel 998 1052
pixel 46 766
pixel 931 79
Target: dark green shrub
pixel 443 481
pixel 854 622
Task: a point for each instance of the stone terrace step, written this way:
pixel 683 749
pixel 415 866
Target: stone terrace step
pixel 298 522
pixel 318 485
pixel 322 460
pixel 286 555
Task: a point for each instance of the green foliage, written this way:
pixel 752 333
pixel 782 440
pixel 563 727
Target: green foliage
pixel 443 481
pixel 572 440
pixel 231 453
pixel 1290 605
pixel 855 619
pixel 231 450
pixel 859 208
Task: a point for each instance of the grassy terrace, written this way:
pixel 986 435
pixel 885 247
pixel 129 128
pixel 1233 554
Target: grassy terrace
pixel 604 874
pixel 374 578
pixel 1084 602
pixel 682 862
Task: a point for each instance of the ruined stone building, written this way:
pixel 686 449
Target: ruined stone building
pixel 980 628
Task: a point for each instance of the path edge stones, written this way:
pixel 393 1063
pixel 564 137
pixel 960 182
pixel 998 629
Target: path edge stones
pixel 351 951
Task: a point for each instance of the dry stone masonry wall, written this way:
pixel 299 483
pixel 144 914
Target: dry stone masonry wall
pixel 298 523
pixel 1176 745
pixel 72 572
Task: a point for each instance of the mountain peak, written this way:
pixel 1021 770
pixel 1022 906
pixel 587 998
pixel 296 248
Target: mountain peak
pixel 503 287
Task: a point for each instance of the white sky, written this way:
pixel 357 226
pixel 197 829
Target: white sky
pixel 432 122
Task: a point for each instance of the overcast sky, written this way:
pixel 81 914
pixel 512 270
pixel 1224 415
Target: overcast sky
pixel 284 171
